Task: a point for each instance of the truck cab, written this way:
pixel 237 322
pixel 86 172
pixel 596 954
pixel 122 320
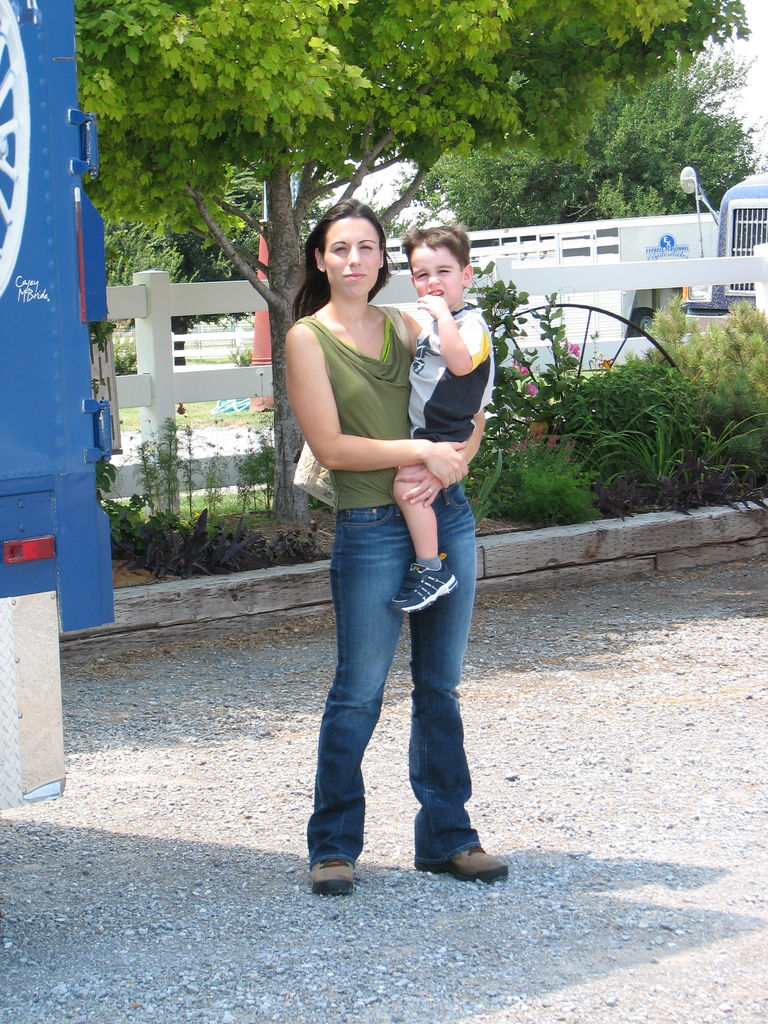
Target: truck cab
pixel 743 225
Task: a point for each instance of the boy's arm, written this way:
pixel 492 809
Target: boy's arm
pixel 454 351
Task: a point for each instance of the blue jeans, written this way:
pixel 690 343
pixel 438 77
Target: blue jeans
pixel 371 555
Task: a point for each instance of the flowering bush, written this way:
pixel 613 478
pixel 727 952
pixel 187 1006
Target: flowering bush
pixel 540 482
pixel 515 461
pixel 499 303
pixel 541 384
pixel 641 435
pixel 528 388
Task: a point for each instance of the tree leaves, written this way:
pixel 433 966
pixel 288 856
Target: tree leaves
pixel 632 157
pixel 191 92
pixel 185 91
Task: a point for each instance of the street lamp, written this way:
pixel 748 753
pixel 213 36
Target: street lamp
pixel 689 183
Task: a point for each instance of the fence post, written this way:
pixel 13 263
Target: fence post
pixel 761 287
pixel 154 351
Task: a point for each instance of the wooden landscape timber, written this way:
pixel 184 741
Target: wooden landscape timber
pixel 559 556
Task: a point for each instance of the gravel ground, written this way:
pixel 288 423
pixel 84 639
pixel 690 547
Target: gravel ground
pixel 617 735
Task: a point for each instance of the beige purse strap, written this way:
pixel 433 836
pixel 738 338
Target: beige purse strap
pixel 395 317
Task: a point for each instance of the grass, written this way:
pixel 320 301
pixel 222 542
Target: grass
pixel 201 414
pixel 229 504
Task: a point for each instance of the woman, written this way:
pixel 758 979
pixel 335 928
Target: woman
pixel 347 375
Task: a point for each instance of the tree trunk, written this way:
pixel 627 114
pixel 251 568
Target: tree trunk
pixel 283 241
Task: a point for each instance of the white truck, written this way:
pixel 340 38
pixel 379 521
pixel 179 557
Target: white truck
pixel 742 224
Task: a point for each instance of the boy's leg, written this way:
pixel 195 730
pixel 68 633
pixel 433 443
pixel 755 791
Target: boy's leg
pixel 429 577
pixel 421 523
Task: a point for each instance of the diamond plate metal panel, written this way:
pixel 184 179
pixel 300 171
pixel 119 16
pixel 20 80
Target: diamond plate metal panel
pixel 31 730
pixel 38 695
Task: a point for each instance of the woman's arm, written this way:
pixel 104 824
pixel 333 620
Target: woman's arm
pixel 426 487
pixel 476 437
pixel 314 406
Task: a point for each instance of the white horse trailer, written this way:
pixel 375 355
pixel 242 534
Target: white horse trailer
pixel 677 236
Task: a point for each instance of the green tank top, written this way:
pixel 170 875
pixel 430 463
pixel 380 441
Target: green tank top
pixel 372 401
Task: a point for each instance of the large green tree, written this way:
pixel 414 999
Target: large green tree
pixel 631 159
pixel 200 101
pixel 131 247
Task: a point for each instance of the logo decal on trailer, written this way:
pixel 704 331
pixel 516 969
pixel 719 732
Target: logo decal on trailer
pixel 667 248
pixel 14 141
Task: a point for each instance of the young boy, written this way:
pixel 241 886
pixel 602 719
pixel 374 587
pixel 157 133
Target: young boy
pixel 451 383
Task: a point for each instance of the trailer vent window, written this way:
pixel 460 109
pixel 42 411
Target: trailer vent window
pixel 749 227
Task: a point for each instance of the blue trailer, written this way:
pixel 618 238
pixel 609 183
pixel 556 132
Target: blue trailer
pixel 55 564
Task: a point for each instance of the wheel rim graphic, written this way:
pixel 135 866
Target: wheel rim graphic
pixel 14 142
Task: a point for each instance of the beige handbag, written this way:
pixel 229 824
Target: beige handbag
pixel 313 478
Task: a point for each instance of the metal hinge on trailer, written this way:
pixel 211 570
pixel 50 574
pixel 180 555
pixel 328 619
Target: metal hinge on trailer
pixel 102 430
pixel 27 12
pixel 88 162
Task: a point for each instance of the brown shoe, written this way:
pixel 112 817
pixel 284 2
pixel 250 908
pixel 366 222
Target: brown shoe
pixel 332 877
pixel 472 865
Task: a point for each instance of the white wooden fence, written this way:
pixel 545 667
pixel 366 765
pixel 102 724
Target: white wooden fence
pixel 158 386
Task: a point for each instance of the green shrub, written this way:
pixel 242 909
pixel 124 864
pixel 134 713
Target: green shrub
pixel 551 498
pixel 633 396
pixel 541 483
pixel 732 346
pixel 158 467
pixel 125 522
pixel 635 418
pixel 737 414
pixel 215 481
pixel 240 355
pixel 645 419
pixel 255 477
pixel 729 360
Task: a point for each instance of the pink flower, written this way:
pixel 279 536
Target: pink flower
pixel 531 389
pixel 537 432
pixel 573 348
pixel 522 370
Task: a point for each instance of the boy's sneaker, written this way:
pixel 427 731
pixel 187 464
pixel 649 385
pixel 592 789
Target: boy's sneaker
pixel 422 587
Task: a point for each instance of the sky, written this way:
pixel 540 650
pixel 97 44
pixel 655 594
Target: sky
pixel 755 100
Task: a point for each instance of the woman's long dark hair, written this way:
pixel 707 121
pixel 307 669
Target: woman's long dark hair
pixel 314 291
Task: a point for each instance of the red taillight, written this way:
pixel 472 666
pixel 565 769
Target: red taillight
pixel 31 549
